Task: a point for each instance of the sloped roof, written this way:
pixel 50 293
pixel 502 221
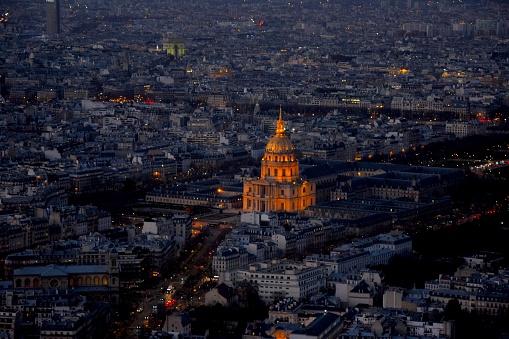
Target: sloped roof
pixel 362 287
pixel 60 271
pixel 320 325
pixel 43 271
pixel 225 291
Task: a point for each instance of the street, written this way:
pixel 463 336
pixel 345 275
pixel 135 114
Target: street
pixel 189 284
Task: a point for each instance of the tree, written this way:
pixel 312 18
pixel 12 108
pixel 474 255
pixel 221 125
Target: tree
pixel 452 310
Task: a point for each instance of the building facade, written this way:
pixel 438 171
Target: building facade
pixel 279 187
pixel 52 17
pixel 275 279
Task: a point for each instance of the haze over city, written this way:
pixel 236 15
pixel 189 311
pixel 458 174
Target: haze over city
pixel 254 169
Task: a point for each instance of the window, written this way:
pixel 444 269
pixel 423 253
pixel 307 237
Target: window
pixel 54 283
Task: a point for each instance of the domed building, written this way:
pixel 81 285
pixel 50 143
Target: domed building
pixel 279 188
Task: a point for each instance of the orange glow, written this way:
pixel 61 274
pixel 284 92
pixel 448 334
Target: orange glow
pixel 283 192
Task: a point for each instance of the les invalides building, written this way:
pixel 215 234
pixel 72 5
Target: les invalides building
pixel 279 188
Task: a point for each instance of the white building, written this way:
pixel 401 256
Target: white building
pixel 183 225
pixel 368 252
pixel 162 227
pixel 463 129
pixel 357 288
pixel 178 324
pixel 280 279
pixel 229 258
pixel 399 243
pixel 341 262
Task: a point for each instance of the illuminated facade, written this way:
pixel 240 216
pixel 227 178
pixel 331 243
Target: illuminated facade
pixel 175 47
pixel 279 187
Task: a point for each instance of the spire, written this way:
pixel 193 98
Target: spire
pixel 256 108
pixel 280 126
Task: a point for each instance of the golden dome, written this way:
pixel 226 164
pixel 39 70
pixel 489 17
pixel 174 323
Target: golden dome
pixel 280 143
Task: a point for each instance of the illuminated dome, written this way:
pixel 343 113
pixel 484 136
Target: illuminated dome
pixel 279 187
pixel 280 144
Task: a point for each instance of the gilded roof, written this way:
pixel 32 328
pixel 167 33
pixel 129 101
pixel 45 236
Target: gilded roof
pixel 280 143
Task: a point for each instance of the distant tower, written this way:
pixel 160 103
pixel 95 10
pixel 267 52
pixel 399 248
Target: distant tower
pixel 125 62
pixel 52 17
pixel 256 109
